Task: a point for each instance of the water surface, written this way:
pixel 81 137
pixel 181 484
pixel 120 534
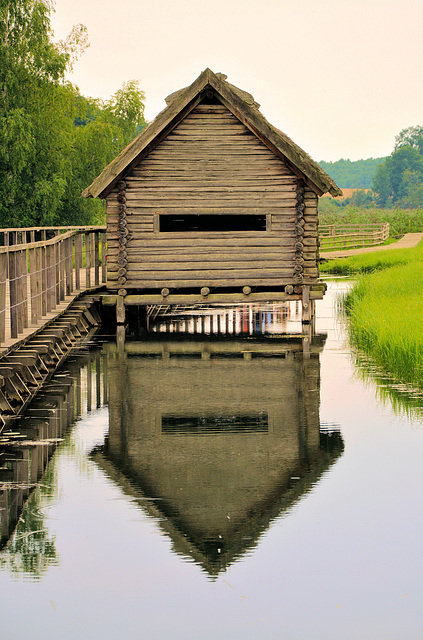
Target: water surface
pixel 215 488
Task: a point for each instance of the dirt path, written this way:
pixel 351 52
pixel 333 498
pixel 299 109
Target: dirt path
pixel 407 241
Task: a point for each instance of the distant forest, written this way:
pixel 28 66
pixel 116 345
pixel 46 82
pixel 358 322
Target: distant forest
pixel 350 174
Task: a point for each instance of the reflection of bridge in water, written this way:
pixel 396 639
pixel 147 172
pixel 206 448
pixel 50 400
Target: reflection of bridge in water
pixel 214 436
pixel 26 448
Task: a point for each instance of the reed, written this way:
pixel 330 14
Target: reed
pixel 385 311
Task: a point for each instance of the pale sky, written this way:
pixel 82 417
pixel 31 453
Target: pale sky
pixel 340 77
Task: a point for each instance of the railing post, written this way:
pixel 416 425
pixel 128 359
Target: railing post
pixel 69 266
pixel 78 259
pixel 51 270
pixel 56 254
pixel 95 238
pixel 3 281
pixel 103 258
pixel 87 261
pixel 23 260
pixel 61 256
pixel 32 284
pixel 13 295
pixel 44 281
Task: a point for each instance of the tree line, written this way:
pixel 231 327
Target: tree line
pixel 394 181
pixel 53 140
pixel 349 174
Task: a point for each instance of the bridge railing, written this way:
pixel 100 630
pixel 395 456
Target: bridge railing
pixel 37 276
pixel 352 236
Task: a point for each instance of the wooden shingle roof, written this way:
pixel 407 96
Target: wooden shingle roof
pixel 242 105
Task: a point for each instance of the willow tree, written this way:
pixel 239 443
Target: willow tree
pixel 102 130
pixel 35 112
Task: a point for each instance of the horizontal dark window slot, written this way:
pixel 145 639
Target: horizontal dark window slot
pixel 215 424
pixel 206 222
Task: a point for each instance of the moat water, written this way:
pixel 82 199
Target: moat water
pixel 215 480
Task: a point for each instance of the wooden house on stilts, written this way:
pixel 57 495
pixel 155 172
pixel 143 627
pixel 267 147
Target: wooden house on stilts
pixel 211 203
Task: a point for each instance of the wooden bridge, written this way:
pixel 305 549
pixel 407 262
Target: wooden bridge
pixel 48 281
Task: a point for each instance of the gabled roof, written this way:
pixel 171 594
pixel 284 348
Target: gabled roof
pixel 242 105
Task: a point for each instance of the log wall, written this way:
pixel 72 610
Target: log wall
pixel 210 163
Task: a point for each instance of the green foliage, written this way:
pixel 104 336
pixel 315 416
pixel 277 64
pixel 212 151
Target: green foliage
pixel 352 174
pixel 399 180
pixel 410 137
pixel 100 133
pixel 53 141
pixel 385 312
pixel 400 220
pixel 32 123
pixel 367 262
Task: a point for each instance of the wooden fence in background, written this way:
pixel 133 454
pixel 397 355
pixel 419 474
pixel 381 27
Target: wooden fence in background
pixel 352 236
pixel 37 274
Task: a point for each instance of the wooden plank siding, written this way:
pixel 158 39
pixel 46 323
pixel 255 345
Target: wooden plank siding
pixel 210 163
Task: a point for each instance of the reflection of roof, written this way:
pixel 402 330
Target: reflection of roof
pixel 242 105
pixel 212 552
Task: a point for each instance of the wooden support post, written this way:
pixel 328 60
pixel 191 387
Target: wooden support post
pixel 120 309
pixel 307 337
pixel 98 379
pixel 3 281
pixel 89 385
pixel 104 363
pixel 306 313
pixel 120 338
pixel 78 392
pixel 313 316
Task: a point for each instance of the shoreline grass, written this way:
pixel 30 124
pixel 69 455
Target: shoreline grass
pixel 385 310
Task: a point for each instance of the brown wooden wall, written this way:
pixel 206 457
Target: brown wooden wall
pixel 211 163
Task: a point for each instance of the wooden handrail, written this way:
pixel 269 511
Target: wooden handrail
pixel 353 236
pixel 19 235
pixel 35 277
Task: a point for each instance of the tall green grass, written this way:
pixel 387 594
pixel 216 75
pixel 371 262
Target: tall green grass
pixel 385 310
pixel 400 220
pixel 369 262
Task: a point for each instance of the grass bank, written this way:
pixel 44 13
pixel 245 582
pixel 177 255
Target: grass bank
pixel 385 310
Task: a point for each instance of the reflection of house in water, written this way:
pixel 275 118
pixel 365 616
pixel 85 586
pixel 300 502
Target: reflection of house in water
pixel 215 438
